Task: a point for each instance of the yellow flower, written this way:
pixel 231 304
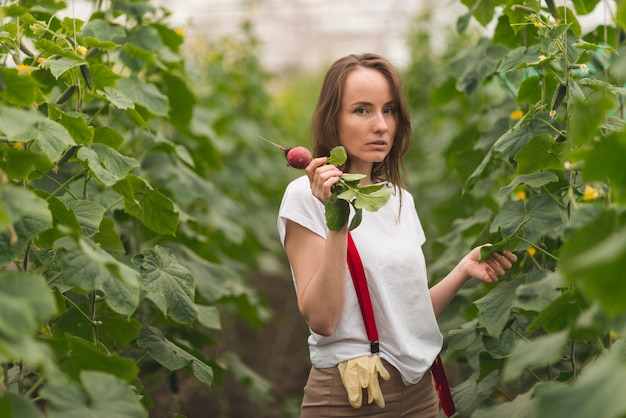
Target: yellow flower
pixel 81 50
pixel 18 146
pixel 25 69
pixel 180 31
pixel 516 114
pixel 532 251
pixel 542 58
pixel 537 24
pixel 590 193
pixel 41 61
pixel 613 335
pixel 521 195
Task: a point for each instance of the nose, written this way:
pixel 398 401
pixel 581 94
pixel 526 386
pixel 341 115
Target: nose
pixel 380 124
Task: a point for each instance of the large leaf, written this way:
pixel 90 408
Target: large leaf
pixel 76 354
pixel 25 303
pixel 99 395
pixel 541 153
pixel 13 405
pixel 477 63
pixel 167 283
pixel 51 136
pixel 536 216
pixel 21 90
pixel 150 206
pixel 171 356
pixel 540 352
pixel 24 215
pixel 606 162
pixel 594 257
pixel 598 392
pixel 145 94
pixel 535 180
pixel 106 164
pixel 89 268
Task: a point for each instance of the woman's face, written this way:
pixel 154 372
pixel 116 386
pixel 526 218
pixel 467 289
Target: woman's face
pixel 367 118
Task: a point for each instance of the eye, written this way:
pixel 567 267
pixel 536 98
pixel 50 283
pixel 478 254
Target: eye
pixel 360 110
pixel 389 110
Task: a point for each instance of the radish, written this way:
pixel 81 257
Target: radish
pixel 297 157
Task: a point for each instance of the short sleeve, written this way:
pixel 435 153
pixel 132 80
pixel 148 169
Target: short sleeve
pixel 299 205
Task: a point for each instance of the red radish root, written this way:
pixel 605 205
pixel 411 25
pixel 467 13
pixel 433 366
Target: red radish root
pixel 297 157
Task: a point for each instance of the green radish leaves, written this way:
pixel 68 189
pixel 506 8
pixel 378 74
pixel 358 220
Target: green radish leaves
pixel 348 192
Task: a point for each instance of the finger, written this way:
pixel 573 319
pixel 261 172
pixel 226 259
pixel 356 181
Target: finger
pixel 314 165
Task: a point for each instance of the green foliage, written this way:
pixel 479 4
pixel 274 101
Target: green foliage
pixel 529 131
pixel 133 205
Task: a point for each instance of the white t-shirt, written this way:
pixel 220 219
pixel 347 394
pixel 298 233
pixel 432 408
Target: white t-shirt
pixel 391 252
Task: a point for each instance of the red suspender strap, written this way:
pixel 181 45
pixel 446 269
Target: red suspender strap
pixel 360 285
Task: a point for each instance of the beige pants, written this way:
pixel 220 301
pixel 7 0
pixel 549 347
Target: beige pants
pixel 325 396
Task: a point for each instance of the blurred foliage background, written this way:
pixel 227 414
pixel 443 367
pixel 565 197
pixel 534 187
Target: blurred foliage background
pixel 138 243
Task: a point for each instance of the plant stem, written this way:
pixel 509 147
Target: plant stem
pixel 539 249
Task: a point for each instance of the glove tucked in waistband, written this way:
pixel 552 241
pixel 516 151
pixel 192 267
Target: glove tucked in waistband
pixel 361 373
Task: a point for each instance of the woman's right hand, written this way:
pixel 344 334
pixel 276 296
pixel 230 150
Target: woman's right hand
pixel 322 177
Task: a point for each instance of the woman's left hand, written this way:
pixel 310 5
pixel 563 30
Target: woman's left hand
pixel 491 269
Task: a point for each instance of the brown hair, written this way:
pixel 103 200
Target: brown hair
pixel 324 123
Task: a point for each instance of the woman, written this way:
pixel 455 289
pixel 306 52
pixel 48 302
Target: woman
pixel 361 107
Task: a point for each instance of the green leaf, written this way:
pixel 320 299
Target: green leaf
pixel 89 268
pixel 167 283
pixel 114 331
pixel 105 163
pixel 606 162
pixel 89 214
pixel 59 66
pixel 338 156
pixel 108 239
pixel 108 136
pixel 21 90
pixel 463 337
pixel 523 406
pixel 337 213
pixel 374 201
pixel 171 356
pixel 561 313
pixel 99 395
pixel 356 219
pixel 145 94
pixel 477 63
pixel 103 77
pixel 105 31
pixel 76 354
pixel 598 392
pixel 77 127
pixel 539 352
pixel 495 306
pixel 259 388
pixel 536 216
pixel 594 257
pixel 91 42
pixel 588 116
pixel 472 391
pixel 24 217
pixel 209 317
pixel 535 180
pixel 541 153
pixel 18 406
pixel 152 208
pixel 25 303
pixel 51 136
pixel 117 98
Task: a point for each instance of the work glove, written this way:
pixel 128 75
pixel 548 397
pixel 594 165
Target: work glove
pixel 361 373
